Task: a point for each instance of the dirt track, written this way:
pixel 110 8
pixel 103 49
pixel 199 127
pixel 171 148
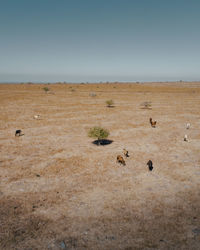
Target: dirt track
pixel 60 191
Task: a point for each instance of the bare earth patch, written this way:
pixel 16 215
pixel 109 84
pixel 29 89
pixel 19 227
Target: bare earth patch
pixel 58 190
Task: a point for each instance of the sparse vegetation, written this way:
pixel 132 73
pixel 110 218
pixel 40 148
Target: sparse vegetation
pixel 99 133
pixel 93 94
pixel 72 89
pixel 110 103
pixel 146 105
pixel 74 173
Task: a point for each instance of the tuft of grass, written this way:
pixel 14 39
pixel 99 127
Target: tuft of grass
pixel 146 105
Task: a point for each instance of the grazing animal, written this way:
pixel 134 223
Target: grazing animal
pixel 150 165
pixel 185 138
pixel 18 132
pixel 125 152
pixel 121 160
pixel 36 116
pixel 153 123
pixel 187 125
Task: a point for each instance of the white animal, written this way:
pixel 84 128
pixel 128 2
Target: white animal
pixel 36 116
pixel 125 152
pixel 188 125
pixel 185 138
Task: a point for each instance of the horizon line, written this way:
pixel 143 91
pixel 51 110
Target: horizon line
pixel 93 82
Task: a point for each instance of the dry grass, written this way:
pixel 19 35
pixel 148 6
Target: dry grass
pixel 60 191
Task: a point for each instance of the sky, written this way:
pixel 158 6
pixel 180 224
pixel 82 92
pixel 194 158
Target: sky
pixel 99 40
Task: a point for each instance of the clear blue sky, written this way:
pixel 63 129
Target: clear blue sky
pixel 99 40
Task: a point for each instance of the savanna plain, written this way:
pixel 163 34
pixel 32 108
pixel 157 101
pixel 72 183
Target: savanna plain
pixel 59 190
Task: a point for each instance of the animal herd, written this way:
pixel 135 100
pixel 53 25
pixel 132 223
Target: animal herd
pixel 120 159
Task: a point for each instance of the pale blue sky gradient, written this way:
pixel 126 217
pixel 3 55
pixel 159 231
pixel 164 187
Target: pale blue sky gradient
pixel 99 40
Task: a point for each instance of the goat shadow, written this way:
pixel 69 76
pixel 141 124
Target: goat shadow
pixel 102 142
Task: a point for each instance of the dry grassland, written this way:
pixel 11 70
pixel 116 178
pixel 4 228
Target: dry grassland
pixel 60 191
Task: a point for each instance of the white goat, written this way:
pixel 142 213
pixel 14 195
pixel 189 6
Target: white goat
pixel 185 138
pixel 188 125
pixel 36 116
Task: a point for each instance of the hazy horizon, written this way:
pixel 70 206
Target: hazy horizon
pixel 93 41
pixel 92 79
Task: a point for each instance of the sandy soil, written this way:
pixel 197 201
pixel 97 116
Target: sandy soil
pixel 58 190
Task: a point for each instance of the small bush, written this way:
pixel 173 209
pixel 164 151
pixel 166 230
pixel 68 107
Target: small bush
pixel 146 105
pixel 46 89
pixel 99 133
pixel 109 103
pixel 93 94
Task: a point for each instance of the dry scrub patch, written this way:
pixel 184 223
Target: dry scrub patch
pixel 60 191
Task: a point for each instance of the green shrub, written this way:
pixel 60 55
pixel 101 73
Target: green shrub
pixel 99 133
pixel 109 103
pixel 46 89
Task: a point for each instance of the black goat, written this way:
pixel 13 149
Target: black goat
pixel 150 165
pixel 18 132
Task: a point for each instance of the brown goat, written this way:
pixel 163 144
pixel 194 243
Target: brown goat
pixel 121 160
pixel 153 123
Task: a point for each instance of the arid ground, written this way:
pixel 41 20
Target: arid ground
pixel 58 190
